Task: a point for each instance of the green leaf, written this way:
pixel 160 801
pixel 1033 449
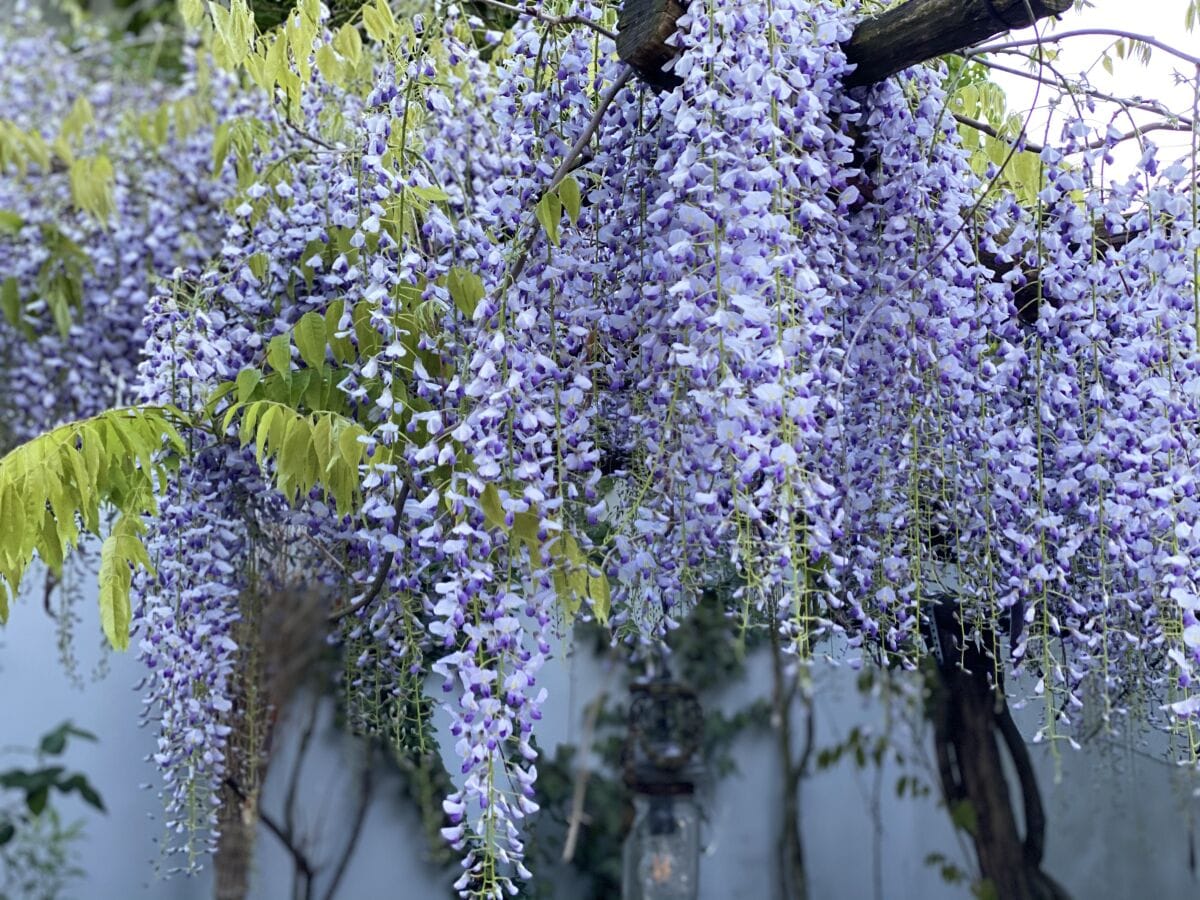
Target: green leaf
pixel 571 575
pixel 222 136
pixel 379 21
pixel 365 331
pixel 962 814
pixel 10 302
pixel 348 43
pixel 297 387
pixel 250 414
pixel 91 796
pixel 81 733
pixel 314 388
pixel 10 222
pixel 343 349
pixel 432 194
pixel 310 339
pixel 264 437
pixel 549 211
pixel 259 265
pixel 192 12
pixel 466 290
pixel 329 65
pixel 493 509
pixel 572 200
pixel 7 831
pixel 599 592
pixel 279 354
pixel 80 785
pixel 92 179
pixel 247 381
pixel 80 116
pixel 53 743
pixel 220 393
pixel 525 528
pixel 36 800
pixel 121 551
pixel 1024 173
pixel 296 459
pixel 350 447
pixel 51 484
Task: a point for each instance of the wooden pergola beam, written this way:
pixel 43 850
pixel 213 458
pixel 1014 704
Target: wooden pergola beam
pixel 925 29
pixel 882 45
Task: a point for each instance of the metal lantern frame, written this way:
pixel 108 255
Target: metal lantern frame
pixel 662 769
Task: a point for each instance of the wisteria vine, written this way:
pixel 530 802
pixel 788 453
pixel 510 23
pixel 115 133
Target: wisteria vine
pixel 762 325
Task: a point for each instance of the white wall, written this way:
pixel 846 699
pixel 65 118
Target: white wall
pixel 1118 820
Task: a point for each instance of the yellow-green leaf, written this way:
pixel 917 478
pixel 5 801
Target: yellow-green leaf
pixel 365 331
pixel 10 302
pixel 279 354
pixel 350 446
pixel 572 200
pixel 310 339
pixel 192 12
pixel 348 44
pixel 466 290
pixel 264 436
pixel 343 349
pixel 600 594
pixel 247 381
pixel 548 212
pixel 10 222
pixel 493 510
pixel 120 552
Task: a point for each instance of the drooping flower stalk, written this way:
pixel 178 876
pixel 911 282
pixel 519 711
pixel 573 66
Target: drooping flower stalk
pixel 766 328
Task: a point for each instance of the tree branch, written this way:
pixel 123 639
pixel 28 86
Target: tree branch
pixel 579 795
pixel 1078 87
pixel 293 791
pixel 1031 798
pixel 882 45
pixel 385 566
pixel 606 99
pixel 360 817
pixel 299 859
pixel 1097 144
pixel 549 19
pixel 921 30
pixel 1090 32
pixel 564 169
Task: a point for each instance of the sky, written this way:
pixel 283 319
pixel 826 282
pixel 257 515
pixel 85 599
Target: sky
pixel 1158 80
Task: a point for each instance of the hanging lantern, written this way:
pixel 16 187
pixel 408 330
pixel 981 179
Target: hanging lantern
pixel 662 852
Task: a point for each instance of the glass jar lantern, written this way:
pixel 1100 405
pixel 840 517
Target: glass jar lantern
pixel 662 852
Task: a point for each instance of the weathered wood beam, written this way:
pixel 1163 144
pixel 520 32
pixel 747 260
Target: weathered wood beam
pixel 881 45
pixel 642 33
pixel 924 29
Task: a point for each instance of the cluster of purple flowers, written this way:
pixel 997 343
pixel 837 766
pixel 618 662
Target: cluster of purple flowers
pixel 79 285
pixel 185 616
pixel 775 330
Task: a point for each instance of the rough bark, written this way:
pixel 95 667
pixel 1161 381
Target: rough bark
pixel 279 640
pixel 969 713
pixel 235 848
pixel 923 29
pixel 793 874
pixel 882 45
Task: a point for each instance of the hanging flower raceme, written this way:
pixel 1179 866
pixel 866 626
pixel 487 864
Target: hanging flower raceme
pixel 760 327
pixel 105 189
pixel 738 379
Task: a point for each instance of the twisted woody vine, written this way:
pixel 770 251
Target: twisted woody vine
pixel 479 335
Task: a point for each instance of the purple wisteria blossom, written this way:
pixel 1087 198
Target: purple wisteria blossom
pixel 780 335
